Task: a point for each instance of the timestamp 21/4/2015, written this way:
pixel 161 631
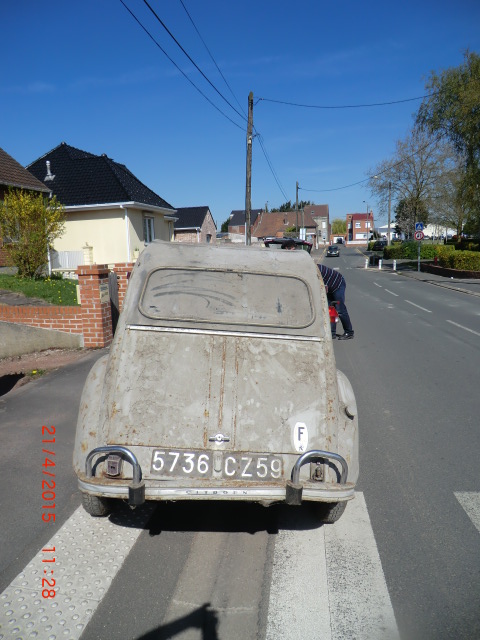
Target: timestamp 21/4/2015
pixel 48 506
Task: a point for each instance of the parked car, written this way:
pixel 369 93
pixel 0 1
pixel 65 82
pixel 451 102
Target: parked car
pixel 276 243
pixel 333 251
pixel 379 245
pixel 220 384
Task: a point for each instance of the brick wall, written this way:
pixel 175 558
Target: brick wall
pixel 67 319
pixel 123 271
pixel 95 301
pixel 93 318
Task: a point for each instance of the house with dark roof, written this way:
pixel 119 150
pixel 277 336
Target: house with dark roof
pixel 110 213
pixel 236 223
pixel 194 224
pixel 274 224
pixel 13 175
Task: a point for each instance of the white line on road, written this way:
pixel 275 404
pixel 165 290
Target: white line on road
pixel 418 306
pixel 328 583
pixel 470 501
pixel 463 328
pixel 393 294
pixel 88 554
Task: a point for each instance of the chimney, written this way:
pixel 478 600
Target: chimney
pixel 49 175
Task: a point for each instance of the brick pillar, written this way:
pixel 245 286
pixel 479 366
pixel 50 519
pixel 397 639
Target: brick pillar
pixel 95 301
pixel 123 271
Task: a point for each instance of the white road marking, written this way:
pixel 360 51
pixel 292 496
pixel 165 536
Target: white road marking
pixel 470 501
pixel 378 285
pixel 328 583
pixel 393 294
pixel 463 328
pixel 89 552
pixel 418 306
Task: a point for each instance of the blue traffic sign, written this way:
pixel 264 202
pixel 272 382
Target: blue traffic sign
pixel 418 226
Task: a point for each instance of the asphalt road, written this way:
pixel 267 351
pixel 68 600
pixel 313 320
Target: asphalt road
pixel 406 553
pixel 414 368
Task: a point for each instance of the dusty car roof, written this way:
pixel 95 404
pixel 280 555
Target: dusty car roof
pixel 230 287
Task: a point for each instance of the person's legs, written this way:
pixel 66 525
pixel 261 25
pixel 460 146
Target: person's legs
pixel 339 296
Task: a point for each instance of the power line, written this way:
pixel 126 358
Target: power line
pixel 262 146
pixel 177 67
pixel 344 106
pixel 213 59
pixel 379 173
pixel 192 61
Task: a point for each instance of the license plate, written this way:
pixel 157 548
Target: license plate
pixel 202 464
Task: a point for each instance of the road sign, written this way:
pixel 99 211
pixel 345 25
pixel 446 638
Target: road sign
pixel 419 235
pixel 419 226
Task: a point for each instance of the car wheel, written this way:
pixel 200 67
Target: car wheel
pixel 96 506
pixel 329 513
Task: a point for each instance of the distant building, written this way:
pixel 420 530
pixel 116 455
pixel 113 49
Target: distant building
pixel 275 224
pixel 236 224
pixel 321 216
pixel 194 224
pixel 359 227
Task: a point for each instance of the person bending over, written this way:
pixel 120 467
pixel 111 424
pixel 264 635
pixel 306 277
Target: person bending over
pixel 335 286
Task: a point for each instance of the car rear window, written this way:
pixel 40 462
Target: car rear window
pixel 227 297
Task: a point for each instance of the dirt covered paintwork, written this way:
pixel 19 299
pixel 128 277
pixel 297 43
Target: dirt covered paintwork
pixel 221 376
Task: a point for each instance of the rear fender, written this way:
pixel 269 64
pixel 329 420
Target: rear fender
pixel 348 426
pixel 88 434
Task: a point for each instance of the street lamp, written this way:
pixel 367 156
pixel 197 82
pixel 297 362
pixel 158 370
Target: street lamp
pixel 389 241
pixel 366 223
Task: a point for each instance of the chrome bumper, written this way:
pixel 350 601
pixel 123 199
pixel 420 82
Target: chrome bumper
pixel 292 493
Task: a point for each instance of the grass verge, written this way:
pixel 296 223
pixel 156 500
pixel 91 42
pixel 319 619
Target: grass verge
pixel 53 290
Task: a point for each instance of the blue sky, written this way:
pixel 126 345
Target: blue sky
pixel 84 72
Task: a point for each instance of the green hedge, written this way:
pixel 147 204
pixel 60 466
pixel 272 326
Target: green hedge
pixel 409 251
pixel 462 260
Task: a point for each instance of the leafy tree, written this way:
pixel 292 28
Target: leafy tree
pixel 339 227
pixel 224 227
pixel 453 110
pixel 32 223
pixel 450 206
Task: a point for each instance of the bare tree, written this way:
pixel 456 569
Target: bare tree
pixel 408 181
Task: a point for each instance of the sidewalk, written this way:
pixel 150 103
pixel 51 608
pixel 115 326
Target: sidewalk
pixel 470 286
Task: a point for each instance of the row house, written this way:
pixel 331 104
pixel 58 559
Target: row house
pixel 359 227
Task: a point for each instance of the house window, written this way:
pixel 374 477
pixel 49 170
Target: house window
pixel 148 229
pixel 209 238
pixel 357 225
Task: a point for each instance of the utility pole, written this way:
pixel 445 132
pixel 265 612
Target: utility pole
pixel 296 210
pixel 389 210
pixel 248 188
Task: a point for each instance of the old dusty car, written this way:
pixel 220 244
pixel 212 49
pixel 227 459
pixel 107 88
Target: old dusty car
pixel 220 384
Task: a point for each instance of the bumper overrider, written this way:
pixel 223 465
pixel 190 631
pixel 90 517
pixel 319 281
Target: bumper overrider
pixel 293 492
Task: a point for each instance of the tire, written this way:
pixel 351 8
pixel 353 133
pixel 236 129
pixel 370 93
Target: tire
pixel 329 513
pixel 96 506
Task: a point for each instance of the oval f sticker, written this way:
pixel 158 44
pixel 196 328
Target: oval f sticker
pixel 300 437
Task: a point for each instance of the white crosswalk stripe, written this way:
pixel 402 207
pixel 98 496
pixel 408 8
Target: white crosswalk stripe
pixel 470 501
pixel 88 555
pixel 328 583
